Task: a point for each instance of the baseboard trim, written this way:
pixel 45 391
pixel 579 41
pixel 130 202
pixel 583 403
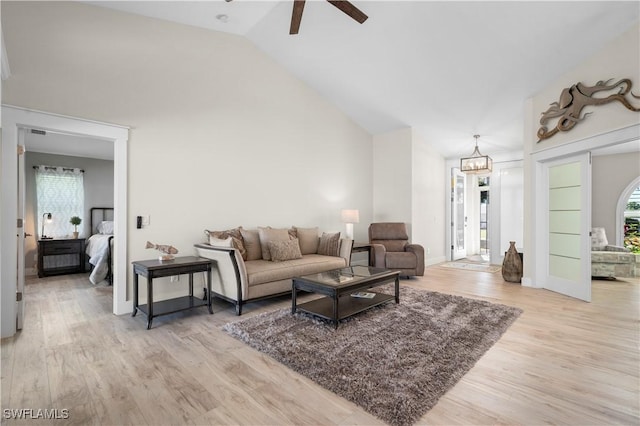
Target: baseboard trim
pixel 435 260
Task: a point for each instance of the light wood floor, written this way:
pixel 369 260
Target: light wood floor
pixel 562 362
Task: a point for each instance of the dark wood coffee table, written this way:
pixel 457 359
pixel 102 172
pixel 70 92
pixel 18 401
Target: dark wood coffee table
pixel 338 285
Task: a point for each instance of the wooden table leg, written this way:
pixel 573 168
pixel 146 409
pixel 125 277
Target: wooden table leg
pixel 149 301
pixel 209 290
pixel 335 311
pixel 294 293
pixel 397 289
pixel 135 294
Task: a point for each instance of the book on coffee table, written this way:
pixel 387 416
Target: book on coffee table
pixel 363 295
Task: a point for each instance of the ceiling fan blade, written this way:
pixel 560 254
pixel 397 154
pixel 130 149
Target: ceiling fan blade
pixel 296 16
pixel 350 10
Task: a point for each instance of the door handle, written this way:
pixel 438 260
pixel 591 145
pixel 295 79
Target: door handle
pixel 28 235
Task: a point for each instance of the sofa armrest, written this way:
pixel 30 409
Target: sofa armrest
pixel 229 279
pixel 418 250
pixel 346 245
pixel 379 253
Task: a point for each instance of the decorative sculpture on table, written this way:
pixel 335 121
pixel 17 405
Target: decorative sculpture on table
pixel 167 251
pixel 575 98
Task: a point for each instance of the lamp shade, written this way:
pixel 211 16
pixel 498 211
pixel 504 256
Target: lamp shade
pixel 350 216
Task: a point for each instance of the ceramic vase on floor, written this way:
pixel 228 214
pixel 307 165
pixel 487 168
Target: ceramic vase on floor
pixel 512 264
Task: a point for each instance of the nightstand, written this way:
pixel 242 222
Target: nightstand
pixel 61 256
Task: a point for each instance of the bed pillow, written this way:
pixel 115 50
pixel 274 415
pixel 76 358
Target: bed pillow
pixel 268 235
pixel 105 227
pixel 329 244
pixel 284 250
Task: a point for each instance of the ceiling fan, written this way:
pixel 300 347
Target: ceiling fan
pixel 345 6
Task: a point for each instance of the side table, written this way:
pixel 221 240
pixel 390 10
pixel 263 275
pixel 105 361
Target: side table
pixel 155 269
pixel 49 249
pixel 362 247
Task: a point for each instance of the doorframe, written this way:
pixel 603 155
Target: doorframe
pixel 539 218
pixel 623 199
pixel 455 171
pixel 14 118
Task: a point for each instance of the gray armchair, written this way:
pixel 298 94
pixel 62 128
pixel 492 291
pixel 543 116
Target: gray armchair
pixel 391 249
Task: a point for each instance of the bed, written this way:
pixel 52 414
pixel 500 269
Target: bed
pixel 100 245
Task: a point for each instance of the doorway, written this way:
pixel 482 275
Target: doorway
pixel 483 226
pixel 571 163
pixel 16 120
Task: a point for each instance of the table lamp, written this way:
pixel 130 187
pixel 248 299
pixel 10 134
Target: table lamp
pixel 349 217
pixel 47 219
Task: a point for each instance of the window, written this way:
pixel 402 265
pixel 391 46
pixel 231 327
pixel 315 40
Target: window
pixel 60 191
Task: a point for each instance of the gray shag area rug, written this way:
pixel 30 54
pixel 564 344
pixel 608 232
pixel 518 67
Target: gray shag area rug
pixel 394 361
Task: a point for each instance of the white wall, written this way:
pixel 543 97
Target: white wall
pixel 610 175
pixel 428 200
pixel 221 135
pixel 620 59
pixel 392 177
pixel 409 186
pixel 98 192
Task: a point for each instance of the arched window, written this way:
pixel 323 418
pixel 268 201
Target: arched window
pixel 632 222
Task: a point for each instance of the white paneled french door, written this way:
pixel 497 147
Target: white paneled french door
pixel 458 215
pixel 568 211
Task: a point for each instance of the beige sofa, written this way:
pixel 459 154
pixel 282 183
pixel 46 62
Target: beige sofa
pixel 255 264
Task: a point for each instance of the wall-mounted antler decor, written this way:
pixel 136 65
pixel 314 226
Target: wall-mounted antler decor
pixel 578 96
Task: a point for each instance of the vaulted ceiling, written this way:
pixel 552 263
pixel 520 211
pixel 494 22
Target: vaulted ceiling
pixel 448 69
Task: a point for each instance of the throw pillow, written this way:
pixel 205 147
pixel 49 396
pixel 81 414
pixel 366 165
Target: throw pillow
pixel 216 242
pixel 251 241
pixel 269 234
pixel 284 250
pixel 329 244
pixel 308 238
pixel 598 239
pixel 235 235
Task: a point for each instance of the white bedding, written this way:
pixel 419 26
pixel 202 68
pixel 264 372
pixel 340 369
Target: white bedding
pixel 98 252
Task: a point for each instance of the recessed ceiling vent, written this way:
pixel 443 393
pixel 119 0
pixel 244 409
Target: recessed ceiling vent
pixel 38 132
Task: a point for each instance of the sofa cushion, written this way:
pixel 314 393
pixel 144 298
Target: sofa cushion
pixel 261 271
pixel 308 239
pixel 251 241
pixel 388 231
pixel 269 234
pixel 401 260
pixel 284 250
pixel 612 257
pixel 329 244
pixel 236 236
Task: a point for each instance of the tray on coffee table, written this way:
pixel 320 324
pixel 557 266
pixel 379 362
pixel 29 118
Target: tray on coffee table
pixel 338 285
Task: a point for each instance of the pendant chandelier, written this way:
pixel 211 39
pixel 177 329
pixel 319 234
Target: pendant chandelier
pixel 477 163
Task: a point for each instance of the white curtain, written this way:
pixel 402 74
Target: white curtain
pixel 60 191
